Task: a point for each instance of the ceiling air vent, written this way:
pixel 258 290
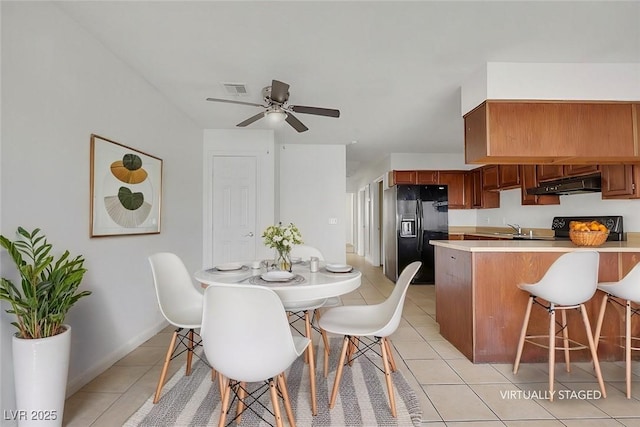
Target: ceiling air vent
pixel 237 89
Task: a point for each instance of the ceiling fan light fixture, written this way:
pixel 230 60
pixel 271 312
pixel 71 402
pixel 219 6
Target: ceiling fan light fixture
pixel 275 116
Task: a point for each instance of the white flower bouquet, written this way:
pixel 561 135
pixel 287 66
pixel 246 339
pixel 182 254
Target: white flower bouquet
pixel 282 238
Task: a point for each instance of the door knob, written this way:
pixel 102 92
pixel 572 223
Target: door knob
pixel 249 235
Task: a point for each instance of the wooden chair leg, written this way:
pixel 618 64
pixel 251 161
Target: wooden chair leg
pixel 282 385
pixel 603 307
pixel 275 402
pixel 312 364
pixel 242 394
pixel 165 367
pixel 552 349
pixel 387 375
pixel 336 383
pixel 627 347
pixel 325 339
pixel 326 362
pixel 565 340
pixel 392 362
pixel 523 335
pixel 189 352
pixel 224 405
pixel 592 347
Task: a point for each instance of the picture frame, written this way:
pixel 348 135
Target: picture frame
pixel 126 189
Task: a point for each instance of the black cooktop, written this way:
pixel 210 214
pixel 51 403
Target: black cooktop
pixel 560 225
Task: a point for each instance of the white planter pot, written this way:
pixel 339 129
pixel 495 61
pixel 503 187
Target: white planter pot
pixel 40 369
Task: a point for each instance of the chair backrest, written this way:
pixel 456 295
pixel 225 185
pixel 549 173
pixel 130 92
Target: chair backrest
pixel 179 301
pixel 391 308
pixel 571 279
pixel 305 252
pixel 245 332
pixel 628 287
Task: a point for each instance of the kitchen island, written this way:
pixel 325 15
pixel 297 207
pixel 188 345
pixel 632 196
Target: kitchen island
pixel 480 309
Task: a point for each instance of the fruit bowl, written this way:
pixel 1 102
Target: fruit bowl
pixel 588 238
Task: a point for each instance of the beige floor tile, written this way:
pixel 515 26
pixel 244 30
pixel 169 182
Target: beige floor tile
pixel 475 424
pixel 116 379
pixel 83 408
pixel 527 372
pixel 458 403
pixel 429 332
pixel 506 401
pixel 630 422
pixel 409 350
pixel 533 423
pixel 143 356
pixel 160 340
pixel 406 333
pixel 476 373
pixel 614 405
pixel 433 372
pixel 592 423
pixel 446 350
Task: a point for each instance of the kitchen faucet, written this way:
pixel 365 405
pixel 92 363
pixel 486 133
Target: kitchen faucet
pixel 516 228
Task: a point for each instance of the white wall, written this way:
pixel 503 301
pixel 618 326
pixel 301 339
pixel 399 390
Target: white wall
pixel 511 210
pixel 312 190
pixel 59 86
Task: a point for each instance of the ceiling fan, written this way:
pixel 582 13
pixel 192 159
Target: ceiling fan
pixel 277 107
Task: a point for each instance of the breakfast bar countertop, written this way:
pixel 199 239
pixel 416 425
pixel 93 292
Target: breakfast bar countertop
pixel 533 246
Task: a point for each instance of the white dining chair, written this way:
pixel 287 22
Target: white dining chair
pixel 627 290
pixel 246 338
pixel 375 322
pixel 568 283
pixel 181 305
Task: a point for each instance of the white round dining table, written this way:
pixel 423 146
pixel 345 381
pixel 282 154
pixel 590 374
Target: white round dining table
pixel 306 286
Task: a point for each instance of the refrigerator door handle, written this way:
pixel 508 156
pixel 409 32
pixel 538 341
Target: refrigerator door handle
pixel 419 223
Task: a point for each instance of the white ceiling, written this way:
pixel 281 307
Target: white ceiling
pixel 393 69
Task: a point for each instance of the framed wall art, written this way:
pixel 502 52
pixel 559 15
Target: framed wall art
pixel 126 189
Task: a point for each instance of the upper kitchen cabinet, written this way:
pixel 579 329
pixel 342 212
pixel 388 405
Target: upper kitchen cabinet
pixel 620 181
pixel 500 177
pixel 536 132
pixel 480 198
pixel 549 172
pixel 403 177
pixel 427 177
pixel 529 179
pixel 459 188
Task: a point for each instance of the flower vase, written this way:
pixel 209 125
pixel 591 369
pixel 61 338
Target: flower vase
pixel 283 260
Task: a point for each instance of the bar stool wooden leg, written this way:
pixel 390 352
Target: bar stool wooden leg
pixel 565 340
pixel 592 347
pixel 523 335
pixel 627 347
pixel 552 348
pixel 603 307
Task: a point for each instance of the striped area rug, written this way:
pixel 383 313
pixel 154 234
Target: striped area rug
pixel 362 401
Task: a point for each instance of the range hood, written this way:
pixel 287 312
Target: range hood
pixel 582 184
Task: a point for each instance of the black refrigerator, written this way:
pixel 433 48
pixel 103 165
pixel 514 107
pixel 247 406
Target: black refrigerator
pixel 414 214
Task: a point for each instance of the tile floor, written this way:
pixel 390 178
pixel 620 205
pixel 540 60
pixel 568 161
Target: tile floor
pixel 452 390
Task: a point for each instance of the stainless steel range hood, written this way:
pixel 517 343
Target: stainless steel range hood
pixel 583 184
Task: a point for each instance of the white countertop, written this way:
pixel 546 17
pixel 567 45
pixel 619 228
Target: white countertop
pixel 532 246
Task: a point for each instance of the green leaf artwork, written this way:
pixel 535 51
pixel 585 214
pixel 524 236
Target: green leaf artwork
pixel 129 199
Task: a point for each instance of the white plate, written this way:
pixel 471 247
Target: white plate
pixel 277 276
pixel 296 259
pixel 229 266
pixel 338 268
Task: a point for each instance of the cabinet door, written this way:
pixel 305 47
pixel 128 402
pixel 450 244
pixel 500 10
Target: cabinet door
pixel 490 178
pixel 427 177
pixel 509 176
pixel 548 172
pixel 482 199
pixel 528 179
pixel 458 189
pixel 572 170
pixel 620 181
pixel 405 177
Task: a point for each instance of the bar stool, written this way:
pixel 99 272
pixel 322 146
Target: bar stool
pixel 568 283
pixel 627 289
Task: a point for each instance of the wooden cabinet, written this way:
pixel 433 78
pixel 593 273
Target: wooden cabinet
pixel 403 177
pixel 620 181
pixel 576 170
pixel 490 178
pixel 427 177
pixel 549 172
pixel 459 188
pixel 529 179
pixel 481 199
pixel 509 176
pixel 538 132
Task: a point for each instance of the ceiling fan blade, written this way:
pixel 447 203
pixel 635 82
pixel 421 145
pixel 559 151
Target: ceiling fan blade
pixel 315 110
pixel 279 91
pixel 295 123
pixel 231 101
pixel 251 120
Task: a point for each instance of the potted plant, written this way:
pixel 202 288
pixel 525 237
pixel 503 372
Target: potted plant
pixel 41 347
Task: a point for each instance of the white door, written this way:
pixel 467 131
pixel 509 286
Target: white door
pixel 234 208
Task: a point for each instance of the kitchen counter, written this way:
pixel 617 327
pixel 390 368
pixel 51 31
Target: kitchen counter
pixel 480 308
pixel 533 246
